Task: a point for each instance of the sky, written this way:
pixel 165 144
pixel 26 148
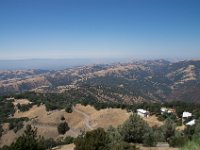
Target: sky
pixel 142 29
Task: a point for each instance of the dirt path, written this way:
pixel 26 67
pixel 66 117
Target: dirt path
pixel 65 147
pixel 74 132
pixel 87 118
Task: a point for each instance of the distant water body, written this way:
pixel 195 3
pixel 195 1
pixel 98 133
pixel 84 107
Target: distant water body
pixel 52 64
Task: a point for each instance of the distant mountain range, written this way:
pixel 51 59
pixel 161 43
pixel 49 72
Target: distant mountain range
pixel 155 80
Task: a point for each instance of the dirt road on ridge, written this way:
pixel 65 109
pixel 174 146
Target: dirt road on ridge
pixel 87 118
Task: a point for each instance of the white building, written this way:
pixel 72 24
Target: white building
pixel 191 123
pixel 143 113
pixel 163 110
pixel 166 110
pixel 186 116
pixel 10 99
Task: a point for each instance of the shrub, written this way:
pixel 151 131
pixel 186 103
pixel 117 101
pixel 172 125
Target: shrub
pixel 179 122
pixel 197 130
pixel 134 129
pixel 114 136
pixel 169 129
pixel 68 140
pixel 1 130
pixel 189 131
pixel 123 146
pixel 149 139
pixel 161 118
pixel 47 143
pixel 62 118
pixel 158 133
pixel 68 108
pixel 63 128
pixel 93 140
pixel 178 140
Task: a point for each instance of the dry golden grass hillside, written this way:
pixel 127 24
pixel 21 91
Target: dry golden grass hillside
pixel 83 118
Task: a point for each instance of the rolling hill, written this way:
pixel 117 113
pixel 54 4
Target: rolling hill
pixel 153 80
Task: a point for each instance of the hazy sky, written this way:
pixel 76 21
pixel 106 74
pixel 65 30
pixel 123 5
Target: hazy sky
pixel 99 29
